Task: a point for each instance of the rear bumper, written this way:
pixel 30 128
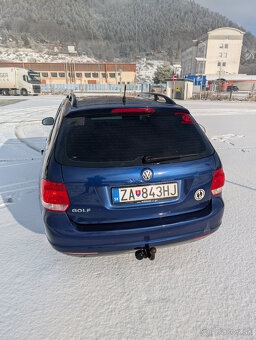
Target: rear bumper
pixel 65 237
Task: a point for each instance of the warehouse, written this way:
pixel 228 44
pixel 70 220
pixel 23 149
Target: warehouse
pixel 81 73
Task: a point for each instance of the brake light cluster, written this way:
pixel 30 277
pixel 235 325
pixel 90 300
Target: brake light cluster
pixel 137 110
pixel 54 196
pixel 218 182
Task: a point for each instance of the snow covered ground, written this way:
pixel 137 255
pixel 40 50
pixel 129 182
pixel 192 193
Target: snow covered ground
pixel 204 289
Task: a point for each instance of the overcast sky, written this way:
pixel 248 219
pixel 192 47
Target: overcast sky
pixel 242 12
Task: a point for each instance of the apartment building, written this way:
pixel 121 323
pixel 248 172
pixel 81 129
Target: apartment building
pixel 216 53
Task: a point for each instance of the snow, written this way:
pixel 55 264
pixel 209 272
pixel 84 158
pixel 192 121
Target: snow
pixel 191 291
pixel 25 55
pixel 145 67
pixel 145 70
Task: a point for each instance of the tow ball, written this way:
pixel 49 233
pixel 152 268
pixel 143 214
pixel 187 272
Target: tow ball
pixel 146 252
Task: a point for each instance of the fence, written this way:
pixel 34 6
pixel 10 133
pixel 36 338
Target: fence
pixel 95 87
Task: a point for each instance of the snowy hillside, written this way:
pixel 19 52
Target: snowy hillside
pixel 29 55
pixel 147 69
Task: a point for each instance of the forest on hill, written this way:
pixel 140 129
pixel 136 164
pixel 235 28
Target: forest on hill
pixel 106 29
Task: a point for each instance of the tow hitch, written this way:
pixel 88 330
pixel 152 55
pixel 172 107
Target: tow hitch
pixel 146 252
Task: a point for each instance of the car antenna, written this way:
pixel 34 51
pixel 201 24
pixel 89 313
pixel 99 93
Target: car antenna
pixel 124 97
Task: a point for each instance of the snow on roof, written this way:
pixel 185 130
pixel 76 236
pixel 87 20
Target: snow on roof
pixel 226 28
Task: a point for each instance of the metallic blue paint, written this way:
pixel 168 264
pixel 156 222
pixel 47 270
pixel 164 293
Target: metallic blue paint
pixel 159 223
pixel 65 237
pixel 94 224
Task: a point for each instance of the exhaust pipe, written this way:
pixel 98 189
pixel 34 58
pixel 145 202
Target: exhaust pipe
pixel 146 252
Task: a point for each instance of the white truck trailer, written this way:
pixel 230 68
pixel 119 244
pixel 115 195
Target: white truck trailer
pixel 15 81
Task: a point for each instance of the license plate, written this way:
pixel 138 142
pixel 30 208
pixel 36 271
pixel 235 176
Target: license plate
pixel 155 192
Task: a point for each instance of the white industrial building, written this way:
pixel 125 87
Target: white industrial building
pixel 216 53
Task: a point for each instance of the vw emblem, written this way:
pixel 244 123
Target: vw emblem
pixel 147 174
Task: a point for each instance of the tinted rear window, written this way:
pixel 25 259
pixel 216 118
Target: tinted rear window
pixel 108 141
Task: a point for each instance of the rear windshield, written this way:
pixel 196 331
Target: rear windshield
pixel 125 140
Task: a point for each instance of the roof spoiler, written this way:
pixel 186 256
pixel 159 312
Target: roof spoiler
pixel 156 97
pixel 72 98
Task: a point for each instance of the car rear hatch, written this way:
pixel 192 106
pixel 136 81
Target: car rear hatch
pixel 135 164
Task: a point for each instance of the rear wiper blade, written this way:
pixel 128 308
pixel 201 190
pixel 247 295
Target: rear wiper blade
pixel 149 159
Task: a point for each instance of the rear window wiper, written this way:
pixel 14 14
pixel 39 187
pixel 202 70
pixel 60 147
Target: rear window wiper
pixel 149 159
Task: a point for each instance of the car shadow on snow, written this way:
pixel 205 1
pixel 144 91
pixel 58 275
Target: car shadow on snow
pixel 20 170
pixel 241 185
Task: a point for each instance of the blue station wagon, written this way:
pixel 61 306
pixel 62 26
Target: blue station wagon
pixel 124 174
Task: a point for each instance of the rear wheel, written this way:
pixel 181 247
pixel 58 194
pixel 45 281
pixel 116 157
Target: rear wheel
pixel 24 92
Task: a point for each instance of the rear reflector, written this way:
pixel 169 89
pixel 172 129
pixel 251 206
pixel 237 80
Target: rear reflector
pixel 218 182
pixel 196 238
pixel 139 109
pixel 54 196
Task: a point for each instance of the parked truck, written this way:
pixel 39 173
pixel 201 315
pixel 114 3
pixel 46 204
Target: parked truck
pixel 21 81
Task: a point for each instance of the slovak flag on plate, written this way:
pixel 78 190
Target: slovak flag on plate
pixel 138 192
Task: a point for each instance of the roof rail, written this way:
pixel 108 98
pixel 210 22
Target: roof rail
pixel 156 96
pixel 72 98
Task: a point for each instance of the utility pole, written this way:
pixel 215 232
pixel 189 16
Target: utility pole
pixel 74 72
pixel 120 71
pixel 219 81
pixel 201 87
pixel 136 39
pixel 204 61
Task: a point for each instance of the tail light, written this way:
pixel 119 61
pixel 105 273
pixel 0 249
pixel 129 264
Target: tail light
pixel 218 182
pixel 54 196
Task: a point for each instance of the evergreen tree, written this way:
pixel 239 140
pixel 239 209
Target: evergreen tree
pixel 162 72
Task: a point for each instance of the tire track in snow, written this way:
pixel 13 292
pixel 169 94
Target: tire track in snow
pixel 18 162
pixel 227 140
pixel 18 121
pixel 35 187
pixel 19 183
pixel 22 140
